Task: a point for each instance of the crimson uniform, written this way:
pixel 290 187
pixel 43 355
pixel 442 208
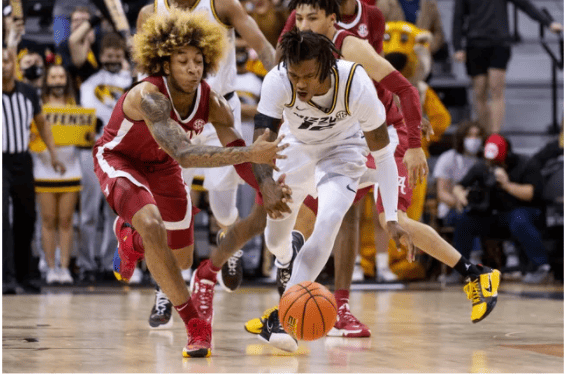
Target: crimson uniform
pixel 134 171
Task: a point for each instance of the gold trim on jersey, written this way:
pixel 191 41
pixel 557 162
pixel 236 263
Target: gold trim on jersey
pixel 335 95
pixel 293 96
pixel 212 6
pixel 348 88
pixel 167 5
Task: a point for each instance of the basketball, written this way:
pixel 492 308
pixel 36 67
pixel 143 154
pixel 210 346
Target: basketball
pixel 308 311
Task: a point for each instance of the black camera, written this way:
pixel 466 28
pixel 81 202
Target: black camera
pixel 480 193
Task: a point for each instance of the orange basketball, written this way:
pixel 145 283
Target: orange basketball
pixel 308 311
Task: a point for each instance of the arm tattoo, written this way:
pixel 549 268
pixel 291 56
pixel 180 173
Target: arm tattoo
pixel 172 138
pixel 266 56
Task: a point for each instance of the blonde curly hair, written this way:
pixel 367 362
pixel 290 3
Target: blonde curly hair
pixel 161 35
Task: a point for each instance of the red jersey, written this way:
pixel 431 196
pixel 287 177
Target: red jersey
pixel 132 139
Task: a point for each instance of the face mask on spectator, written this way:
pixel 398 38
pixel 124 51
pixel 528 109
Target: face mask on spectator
pixel 472 145
pixel 33 72
pixel 56 90
pixel 112 67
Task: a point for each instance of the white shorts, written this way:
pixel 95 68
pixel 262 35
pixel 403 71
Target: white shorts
pixel 48 180
pixel 309 164
pixel 216 179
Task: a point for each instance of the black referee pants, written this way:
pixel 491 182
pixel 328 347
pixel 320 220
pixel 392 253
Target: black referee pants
pixel 17 184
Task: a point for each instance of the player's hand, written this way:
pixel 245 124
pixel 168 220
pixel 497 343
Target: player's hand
pixel 401 238
pixel 416 164
pixel 58 165
pixel 460 56
pixel 275 196
pixel 264 151
pixel 427 129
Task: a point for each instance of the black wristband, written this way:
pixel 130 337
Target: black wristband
pixel 263 121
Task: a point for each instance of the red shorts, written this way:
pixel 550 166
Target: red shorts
pixel 128 187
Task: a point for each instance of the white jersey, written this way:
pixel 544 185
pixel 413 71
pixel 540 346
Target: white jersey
pixel 350 106
pixel 223 81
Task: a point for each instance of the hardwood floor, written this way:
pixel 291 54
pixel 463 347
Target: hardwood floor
pixel 417 329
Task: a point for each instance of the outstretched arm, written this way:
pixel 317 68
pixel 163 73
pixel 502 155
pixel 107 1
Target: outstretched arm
pixel 249 31
pixel 154 108
pixel 380 70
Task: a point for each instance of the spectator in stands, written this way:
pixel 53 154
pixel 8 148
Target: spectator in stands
pixel 391 9
pixel 57 193
pixel 32 68
pixel 80 52
pixel 100 91
pixel 269 18
pixel 450 168
pixel 20 106
pixel 483 26
pixel 61 23
pixel 502 191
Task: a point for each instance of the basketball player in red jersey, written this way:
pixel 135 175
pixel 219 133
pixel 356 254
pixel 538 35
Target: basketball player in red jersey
pixel 138 159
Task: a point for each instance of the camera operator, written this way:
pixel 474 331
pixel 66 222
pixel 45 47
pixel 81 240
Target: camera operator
pixel 502 191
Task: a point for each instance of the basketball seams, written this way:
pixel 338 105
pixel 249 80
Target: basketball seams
pixel 293 302
pixel 310 292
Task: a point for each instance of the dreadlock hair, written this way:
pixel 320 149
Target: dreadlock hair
pixel 162 35
pixel 329 6
pixel 298 46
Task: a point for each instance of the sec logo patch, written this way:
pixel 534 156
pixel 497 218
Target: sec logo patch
pixel 362 30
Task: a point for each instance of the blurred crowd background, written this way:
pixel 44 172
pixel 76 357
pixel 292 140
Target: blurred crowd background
pixel 59 231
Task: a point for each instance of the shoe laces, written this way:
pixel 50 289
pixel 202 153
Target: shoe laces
pixel 161 302
pixel 233 261
pixel 285 276
pixel 345 314
pixel 205 296
pixel 472 290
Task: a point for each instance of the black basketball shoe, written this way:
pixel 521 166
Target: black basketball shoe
pixel 283 274
pixel 273 334
pixel 231 274
pixel 161 314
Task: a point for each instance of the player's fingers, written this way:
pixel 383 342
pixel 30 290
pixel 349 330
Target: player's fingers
pixel 280 157
pixel 411 176
pixel 283 146
pixel 274 166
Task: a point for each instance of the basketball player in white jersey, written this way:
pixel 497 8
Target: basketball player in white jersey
pixel 332 119
pixel 221 183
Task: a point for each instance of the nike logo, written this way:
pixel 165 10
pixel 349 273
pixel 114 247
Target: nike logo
pixel 489 287
pixel 467 266
pixel 300 108
pixel 350 189
pixel 269 325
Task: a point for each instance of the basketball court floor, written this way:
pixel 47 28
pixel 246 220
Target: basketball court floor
pixel 421 328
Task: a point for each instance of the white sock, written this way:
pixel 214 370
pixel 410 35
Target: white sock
pixel 382 261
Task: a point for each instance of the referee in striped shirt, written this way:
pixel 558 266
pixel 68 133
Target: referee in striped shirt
pixel 20 105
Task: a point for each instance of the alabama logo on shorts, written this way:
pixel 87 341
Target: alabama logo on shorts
pixel 363 30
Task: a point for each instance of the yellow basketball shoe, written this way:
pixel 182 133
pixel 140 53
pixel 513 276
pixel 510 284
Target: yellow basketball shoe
pixel 482 290
pixel 254 326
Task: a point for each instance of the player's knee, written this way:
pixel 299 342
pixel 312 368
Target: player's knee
pixel 184 258
pixel 49 221
pixel 151 229
pixel 65 223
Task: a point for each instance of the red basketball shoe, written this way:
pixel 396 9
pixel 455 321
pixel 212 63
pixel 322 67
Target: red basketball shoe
pixel 347 325
pixel 125 256
pixel 199 339
pixel 202 294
